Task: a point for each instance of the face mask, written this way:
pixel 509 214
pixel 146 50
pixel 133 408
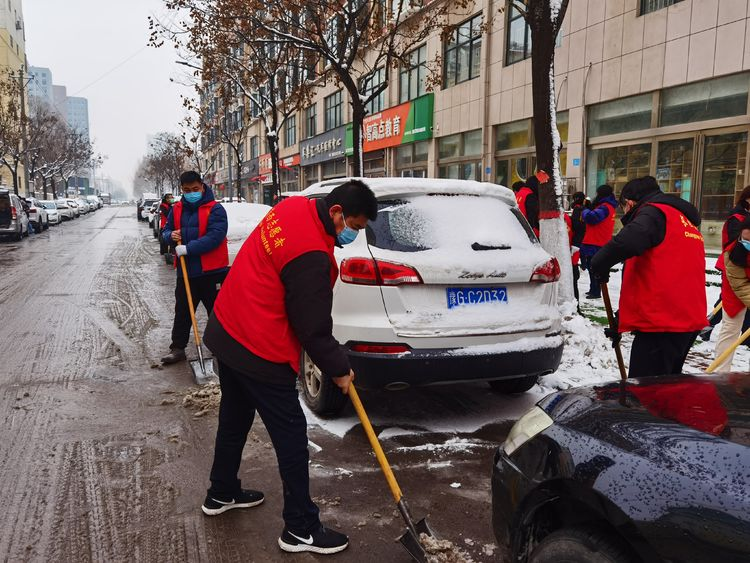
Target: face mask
pixel 348 235
pixel 192 197
pixel 170 201
pixel 745 243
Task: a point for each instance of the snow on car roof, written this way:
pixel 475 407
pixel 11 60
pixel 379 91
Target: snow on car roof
pixel 392 187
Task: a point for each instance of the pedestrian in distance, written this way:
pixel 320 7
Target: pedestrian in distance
pixel 663 294
pixel 197 226
pixel 600 225
pixel 275 302
pixel 735 288
pixel 527 197
pixel 165 207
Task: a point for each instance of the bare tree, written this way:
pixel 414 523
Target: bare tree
pixel 166 159
pixel 13 122
pixel 45 140
pixel 545 18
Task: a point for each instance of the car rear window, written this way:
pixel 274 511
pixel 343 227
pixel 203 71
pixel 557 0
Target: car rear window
pixel 443 221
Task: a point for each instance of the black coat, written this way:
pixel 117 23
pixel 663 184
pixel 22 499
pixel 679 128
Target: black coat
pixel 644 228
pixel 577 224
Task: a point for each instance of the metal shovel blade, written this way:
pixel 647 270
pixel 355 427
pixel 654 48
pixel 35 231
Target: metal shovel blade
pixel 411 542
pixel 203 371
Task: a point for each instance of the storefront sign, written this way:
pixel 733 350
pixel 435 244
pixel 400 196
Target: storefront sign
pixel 249 169
pixel 265 166
pixel 327 146
pixel 405 123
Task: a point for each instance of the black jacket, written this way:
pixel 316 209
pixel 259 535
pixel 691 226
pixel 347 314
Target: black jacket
pixel 532 209
pixel 577 224
pixel 308 299
pixel 734 225
pixel 644 227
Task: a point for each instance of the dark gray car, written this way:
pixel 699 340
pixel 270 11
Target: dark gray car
pixel 13 219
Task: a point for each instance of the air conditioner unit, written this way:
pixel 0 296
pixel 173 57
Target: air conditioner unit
pixel 19 25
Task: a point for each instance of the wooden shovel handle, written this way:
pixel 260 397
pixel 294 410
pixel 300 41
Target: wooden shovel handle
pixel 375 444
pixel 611 320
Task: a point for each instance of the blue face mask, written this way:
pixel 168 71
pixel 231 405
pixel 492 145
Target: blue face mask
pixel 347 236
pixel 745 243
pixel 192 197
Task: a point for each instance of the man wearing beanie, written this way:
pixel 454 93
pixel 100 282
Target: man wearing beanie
pixel 663 295
pixel 600 224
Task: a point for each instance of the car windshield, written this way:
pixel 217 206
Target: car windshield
pixel 49 205
pixel 442 221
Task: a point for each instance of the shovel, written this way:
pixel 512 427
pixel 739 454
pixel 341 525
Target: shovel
pixel 611 320
pixel 410 539
pixel 726 353
pixel 203 368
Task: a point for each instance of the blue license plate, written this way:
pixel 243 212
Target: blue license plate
pixel 458 296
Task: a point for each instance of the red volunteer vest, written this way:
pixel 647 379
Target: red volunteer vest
pixel 521 196
pixel 664 289
pixel 164 213
pixel 216 258
pixel 250 305
pixel 601 233
pixel 725 242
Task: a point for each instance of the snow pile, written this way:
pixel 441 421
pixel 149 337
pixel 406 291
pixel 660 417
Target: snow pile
pixel 442 551
pixel 526 344
pixel 204 399
pixel 243 218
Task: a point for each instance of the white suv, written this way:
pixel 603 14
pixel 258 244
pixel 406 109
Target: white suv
pixel 448 285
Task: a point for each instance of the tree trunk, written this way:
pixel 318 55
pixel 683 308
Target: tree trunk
pixel 553 231
pixel 44 187
pixel 237 178
pixel 14 174
pixel 358 117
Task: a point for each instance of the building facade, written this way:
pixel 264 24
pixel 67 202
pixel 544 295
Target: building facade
pixel 13 61
pixel 40 84
pixel 77 114
pixel 655 87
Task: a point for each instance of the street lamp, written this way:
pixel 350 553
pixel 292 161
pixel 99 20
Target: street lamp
pixel 187 64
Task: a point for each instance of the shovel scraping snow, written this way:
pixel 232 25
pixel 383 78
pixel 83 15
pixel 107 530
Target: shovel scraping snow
pixel 203 368
pixel 411 538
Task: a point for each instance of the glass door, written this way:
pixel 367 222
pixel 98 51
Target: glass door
pixel 674 167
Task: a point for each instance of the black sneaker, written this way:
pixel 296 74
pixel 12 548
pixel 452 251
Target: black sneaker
pixel 592 296
pixel 246 499
pixel 323 541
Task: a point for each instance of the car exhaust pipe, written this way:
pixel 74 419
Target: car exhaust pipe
pixel 397 386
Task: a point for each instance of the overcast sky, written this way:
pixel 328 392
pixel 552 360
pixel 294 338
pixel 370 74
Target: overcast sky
pixel 97 49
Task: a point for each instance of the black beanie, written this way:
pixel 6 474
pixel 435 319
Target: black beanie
pixel 533 183
pixel 605 190
pixel 639 188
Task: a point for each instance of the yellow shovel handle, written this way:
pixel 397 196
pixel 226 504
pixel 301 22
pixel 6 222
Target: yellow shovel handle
pixel 726 353
pixel 190 301
pixel 389 476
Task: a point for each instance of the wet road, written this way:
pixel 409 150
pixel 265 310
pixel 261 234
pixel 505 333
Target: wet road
pixel 100 460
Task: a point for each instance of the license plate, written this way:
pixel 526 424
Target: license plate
pixel 458 296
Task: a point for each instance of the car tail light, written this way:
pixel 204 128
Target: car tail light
pixel 366 271
pixel 547 272
pixel 381 348
pixel 13 213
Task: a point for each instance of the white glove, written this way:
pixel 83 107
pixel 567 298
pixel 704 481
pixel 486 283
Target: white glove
pixel 574 249
pixel 181 250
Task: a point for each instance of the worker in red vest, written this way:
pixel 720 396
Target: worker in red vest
pixel 600 224
pixel 197 225
pixel 165 207
pixel 527 197
pixel 663 294
pixel 730 232
pixel 275 302
pixel 735 289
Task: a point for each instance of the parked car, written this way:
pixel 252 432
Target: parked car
pixel 654 469
pixel 13 219
pixel 64 209
pixel 94 202
pixel 448 285
pixel 83 206
pixel 75 207
pixel 151 213
pixel 37 214
pixel 144 204
pixel 53 215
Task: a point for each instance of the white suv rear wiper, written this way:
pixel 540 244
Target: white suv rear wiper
pixel 477 246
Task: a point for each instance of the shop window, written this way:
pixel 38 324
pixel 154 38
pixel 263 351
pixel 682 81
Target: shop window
pixel 462 144
pixel 462 52
pixel 617 165
pixel 508 171
pixel 254 147
pixel 369 85
pixel 333 110
pixel 462 171
pixel 702 101
pixel 450 146
pixel 412 79
pixel 723 173
pixel 648 6
pixel 334 169
pixel 413 153
pixel 311 118
pixel 514 135
pixel 620 116
pixel 674 167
